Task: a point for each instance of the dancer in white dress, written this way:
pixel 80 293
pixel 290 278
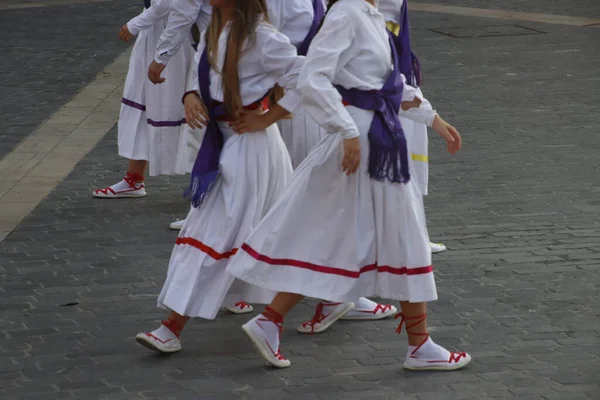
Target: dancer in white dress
pixel 358 230
pixel 151 116
pixel 299 20
pixel 236 177
pixel 396 16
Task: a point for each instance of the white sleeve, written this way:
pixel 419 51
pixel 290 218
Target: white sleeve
pixel 192 84
pixel 424 114
pixel 279 57
pixel 321 99
pixel 158 10
pixel 183 15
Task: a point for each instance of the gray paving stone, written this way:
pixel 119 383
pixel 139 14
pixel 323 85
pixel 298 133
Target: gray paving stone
pixel 518 209
pixel 45 67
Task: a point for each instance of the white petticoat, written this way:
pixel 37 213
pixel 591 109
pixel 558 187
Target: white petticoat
pixel 300 134
pixel 190 140
pixel 418 149
pixel 254 169
pixel 338 237
pixel 152 115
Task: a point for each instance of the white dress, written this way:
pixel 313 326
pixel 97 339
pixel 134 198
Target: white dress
pixel 416 132
pixel 301 133
pixel 181 18
pixel 151 115
pixel 335 236
pixel 254 168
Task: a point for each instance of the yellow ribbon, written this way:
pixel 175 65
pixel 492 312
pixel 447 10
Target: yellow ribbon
pixel 419 157
pixel 393 27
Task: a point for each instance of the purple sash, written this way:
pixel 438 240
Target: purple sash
pixel 206 167
pixel 319 10
pixel 409 63
pixel 388 153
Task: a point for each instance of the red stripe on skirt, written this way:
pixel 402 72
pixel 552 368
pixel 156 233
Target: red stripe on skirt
pixel 335 271
pixel 204 248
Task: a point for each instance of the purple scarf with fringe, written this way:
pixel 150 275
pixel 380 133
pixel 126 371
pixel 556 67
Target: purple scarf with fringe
pixel 409 63
pixel 206 167
pixel 388 153
pixel 319 14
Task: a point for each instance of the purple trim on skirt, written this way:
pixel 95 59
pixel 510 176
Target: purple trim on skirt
pixel 158 124
pixel 133 104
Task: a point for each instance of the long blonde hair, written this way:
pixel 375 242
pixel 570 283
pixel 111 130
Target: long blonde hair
pixel 243 29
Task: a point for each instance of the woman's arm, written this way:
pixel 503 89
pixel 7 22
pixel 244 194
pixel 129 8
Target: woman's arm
pixel 321 99
pixel 158 10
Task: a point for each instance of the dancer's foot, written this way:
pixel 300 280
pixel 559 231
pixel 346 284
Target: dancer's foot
pixel 326 314
pixel 240 307
pixel 162 339
pixel 177 225
pixel 437 247
pixel 132 185
pixel 432 357
pixel 428 356
pixel 264 335
pixel 365 309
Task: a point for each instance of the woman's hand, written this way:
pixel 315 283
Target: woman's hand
pixel 250 121
pixel 196 114
pixel 154 71
pixel 124 34
pixel 449 133
pixel 407 105
pixel 351 160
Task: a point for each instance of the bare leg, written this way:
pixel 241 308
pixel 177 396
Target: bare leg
pixel 179 320
pixel 415 315
pixel 284 302
pixel 137 167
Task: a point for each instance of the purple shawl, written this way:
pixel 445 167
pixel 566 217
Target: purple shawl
pixel 409 63
pixel 319 14
pixel 206 166
pixel 388 153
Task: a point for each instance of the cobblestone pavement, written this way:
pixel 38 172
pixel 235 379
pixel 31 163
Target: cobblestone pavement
pixel 518 208
pixel 577 8
pixel 49 53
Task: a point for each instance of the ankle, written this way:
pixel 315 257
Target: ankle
pixel 273 315
pixel 174 326
pixel 134 177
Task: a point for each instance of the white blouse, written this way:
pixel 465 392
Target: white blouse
pixel 267 59
pixel 157 11
pixel 183 15
pixel 352 50
pixel 391 9
pixel 293 18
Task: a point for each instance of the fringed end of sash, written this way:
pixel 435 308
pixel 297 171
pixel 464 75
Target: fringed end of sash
pixel 416 68
pixel 389 163
pixel 199 187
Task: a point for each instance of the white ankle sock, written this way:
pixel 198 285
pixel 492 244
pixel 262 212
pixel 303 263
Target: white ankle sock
pixel 270 330
pixel 123 185
pixel 429 351
pixel 164 333
pixel 364 304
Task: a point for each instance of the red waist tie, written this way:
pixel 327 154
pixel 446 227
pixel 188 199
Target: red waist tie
pixel 257 105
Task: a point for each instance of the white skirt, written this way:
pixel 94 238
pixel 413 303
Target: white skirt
pixel 190 140
pixel 338 237
pixel 152 115
pixel 254 169
pixel 417 143
pixel 300 134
